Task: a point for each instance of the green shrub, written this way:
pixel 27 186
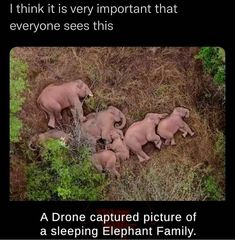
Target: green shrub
pixel 212 189
pixel 18 79
pixel 59 176
pixel 213 59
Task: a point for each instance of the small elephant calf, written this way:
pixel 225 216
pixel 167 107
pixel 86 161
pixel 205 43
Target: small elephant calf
pixel 168 126
pixel 119 146
pixel 106 160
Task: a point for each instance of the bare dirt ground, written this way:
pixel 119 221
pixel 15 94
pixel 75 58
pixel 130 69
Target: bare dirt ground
pixel 137 81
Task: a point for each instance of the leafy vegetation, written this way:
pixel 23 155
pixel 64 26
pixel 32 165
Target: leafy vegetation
pixel 212 189
pixel 59 176
pixel 213 59
pixel 18 84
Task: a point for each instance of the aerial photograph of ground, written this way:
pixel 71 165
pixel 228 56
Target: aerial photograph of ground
pixel 54 155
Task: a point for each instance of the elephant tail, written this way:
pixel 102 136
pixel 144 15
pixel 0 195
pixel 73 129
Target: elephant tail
pixel 40 106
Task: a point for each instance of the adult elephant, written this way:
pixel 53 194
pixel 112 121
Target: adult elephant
pixel 56 97
pixel 101 124
pixel 141 132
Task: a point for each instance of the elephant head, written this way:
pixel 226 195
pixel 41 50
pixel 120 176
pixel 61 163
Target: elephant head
pixel 118 116
pixel 83 89
pixel 116 134
pixel 155 117
pixel 181 111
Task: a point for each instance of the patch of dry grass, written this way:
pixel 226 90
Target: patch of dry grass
pixel 17 178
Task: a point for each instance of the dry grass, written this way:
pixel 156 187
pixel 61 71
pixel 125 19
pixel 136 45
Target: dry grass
pixel 138 81
pixel 17 178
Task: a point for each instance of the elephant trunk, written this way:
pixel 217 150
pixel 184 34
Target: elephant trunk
pixel 123 120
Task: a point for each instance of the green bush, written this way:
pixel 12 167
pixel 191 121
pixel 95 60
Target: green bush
pixel 212 189
pixel 59 176
pixel 213 59
pixel 18 79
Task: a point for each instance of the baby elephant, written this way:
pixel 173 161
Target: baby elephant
pixel 51 134
pixel 139 133
pixel 106 160
pixel 174 122
pixel 119 146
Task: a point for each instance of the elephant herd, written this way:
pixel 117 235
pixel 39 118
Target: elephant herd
pixel 107 125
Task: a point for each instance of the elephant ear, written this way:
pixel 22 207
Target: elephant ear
pixel 153 117
pixel 80 83
pixel 150 116
pixel 182 111
pixel 112 109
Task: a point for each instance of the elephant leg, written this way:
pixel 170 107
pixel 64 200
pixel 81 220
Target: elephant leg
pixel 51 122
pixel 183 131
pixel 74 114
pixel 77 112
pixel 117 173
pixel 117 165
pixel 97 165
pixel 152 137
pixel 142 156
pixel 188 129
pixel 114 172
pixel 111 166
pixel 58 116
pixel 173 142
pixel 167 141
pixel 46 114
pixel 158 144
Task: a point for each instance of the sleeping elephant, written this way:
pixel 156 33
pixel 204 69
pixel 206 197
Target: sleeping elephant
pixel 56 97
pixel 105 160
pixel 174 122
pixel 99 125
pixel 119 146
pixel 38 139
pixel 141 132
